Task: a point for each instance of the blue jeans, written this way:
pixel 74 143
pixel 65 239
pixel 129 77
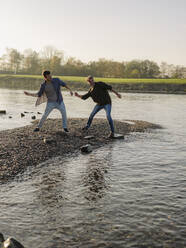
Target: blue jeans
pixel 54 105
pixel 107 109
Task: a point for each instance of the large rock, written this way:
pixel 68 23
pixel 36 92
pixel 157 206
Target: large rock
pixel 86 148
pixel 1 238
pixel 9 243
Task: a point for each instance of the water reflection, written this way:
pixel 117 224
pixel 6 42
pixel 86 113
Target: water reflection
pixel 48 189
pixel 94 176
pixel 85 178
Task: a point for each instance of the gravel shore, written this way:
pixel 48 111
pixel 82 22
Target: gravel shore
pixel 21 147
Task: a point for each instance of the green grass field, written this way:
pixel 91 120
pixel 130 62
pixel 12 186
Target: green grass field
pixel 107 80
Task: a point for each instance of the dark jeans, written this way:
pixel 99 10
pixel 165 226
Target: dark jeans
pixel 107 109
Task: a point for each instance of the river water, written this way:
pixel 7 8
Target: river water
pixel 130 193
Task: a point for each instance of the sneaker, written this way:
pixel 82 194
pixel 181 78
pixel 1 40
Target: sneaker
pixel 85 128
pixel 36 129
pixel 66 130
pixel 111 135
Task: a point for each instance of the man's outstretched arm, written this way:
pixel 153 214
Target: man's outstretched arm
pixel 69 90
pixel 116 93
pixel 76 94
pixel 38 94
pixel 31 94
pixel 84 97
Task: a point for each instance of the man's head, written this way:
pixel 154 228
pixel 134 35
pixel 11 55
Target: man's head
pixel 90 79
pixel 47 75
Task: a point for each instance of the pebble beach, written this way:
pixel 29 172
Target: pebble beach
pixel 21 147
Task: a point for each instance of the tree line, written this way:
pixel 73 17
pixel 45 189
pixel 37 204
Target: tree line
pixel 32 62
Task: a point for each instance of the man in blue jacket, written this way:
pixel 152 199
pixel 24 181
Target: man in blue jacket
pixel 50 92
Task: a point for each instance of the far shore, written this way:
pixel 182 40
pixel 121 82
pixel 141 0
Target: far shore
pixel 165 86
pixel 21 148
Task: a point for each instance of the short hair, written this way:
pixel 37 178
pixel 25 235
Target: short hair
pixel 90 77
pixel 46 73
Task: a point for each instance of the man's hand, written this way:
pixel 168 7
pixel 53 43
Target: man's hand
pixel 76 94
pixel 26 93
pixel 71 93
pixel 118 95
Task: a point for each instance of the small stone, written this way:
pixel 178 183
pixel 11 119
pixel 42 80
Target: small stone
pixel 48 141
pixel 3 112
pixel 89 137
pixel 118 136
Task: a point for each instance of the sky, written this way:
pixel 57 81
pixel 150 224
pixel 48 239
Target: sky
pixel 120 30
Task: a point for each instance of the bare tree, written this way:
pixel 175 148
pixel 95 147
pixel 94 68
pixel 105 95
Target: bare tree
pixel 14 59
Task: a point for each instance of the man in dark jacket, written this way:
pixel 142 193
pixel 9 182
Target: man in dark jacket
pixel 50 92
pixel 99 93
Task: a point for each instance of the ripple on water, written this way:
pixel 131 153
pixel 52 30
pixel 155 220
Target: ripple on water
pixel 130 193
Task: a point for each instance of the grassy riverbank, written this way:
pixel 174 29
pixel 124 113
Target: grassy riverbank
pixel 107 80
pixel 79 83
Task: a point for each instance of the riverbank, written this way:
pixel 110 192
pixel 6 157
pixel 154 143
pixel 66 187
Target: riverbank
pixel 166 86
pixel 21 147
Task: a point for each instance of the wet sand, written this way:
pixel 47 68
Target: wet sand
pixel 21 147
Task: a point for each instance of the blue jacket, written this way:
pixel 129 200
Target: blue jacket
pixel 57 83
